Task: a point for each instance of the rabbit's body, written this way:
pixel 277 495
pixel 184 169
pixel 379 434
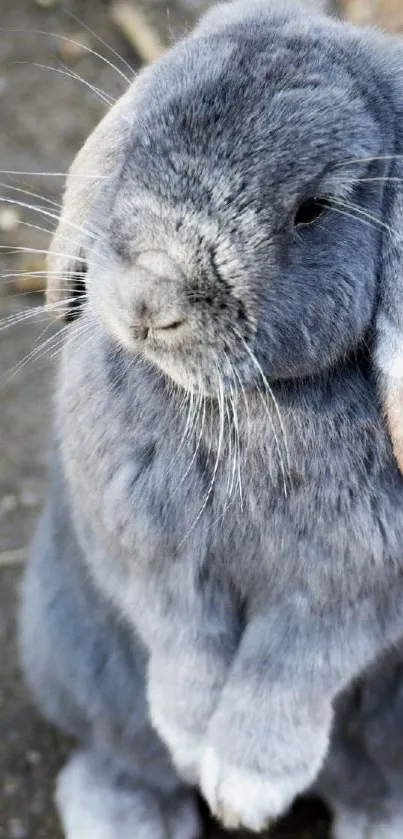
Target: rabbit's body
pixel 243 545
pixel 271 559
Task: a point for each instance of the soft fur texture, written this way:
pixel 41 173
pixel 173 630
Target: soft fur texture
pixel 224 529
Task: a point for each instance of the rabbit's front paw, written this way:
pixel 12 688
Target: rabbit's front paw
pixel 252 768
pixel 239 797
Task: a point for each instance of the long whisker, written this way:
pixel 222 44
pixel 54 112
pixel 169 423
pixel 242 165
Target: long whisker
pixel 47 213
pixel 99 94
pixel 227 504
pixel 21 191
pixel 42 229
pixel 368 160
pixel 32 356
pixel 202 402
pixel 217 460
pixel 234 403
pixel 364 214
pixel 65 239
pixel 285 472
pixel 360 215
pixel 34 312
pixel 9 277
pixel 193 407
pixel 44 251
pixel 82 46
pixel 67 341
pixel 55 342
pixel 100 40
pixel 106 97
pixel 23 173
pixel 245 399
pixel 231 452
pixel 186 402
pixel 358 180
pixel 233 441
pixel 16 249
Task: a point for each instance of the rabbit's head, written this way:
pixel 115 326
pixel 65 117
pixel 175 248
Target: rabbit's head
pixel 241 208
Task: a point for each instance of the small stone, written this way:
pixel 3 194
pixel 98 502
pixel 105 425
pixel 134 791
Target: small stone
pixel 34 757
pixel 8 504
pixel 47 4
pixel 74 47
pixel 16 829
pixel 28 498
pixel 10 787
pixel 9 219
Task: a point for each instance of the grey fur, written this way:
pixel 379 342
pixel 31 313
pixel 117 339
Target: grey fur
pixel 241 563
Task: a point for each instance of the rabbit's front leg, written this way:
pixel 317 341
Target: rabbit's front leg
pixel 190 657
pixel 269 735
pixel 183 690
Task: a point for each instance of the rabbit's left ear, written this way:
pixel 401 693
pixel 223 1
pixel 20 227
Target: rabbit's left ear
pixel 389 319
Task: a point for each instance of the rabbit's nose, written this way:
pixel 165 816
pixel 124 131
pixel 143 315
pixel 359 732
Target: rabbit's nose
pixel 160 320
pixel 158 301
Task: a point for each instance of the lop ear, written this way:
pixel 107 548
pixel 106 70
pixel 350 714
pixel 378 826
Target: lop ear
pixel 92 175
pixel 389 319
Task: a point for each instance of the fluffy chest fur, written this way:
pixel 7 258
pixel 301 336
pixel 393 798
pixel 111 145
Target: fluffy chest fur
pixel 299 491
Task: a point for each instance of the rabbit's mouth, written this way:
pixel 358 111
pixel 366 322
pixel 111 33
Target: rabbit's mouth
pixel 216 365
pixel 199 339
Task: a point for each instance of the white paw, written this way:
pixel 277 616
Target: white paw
pixel 350 824
pixel 240 798
pixel 91 807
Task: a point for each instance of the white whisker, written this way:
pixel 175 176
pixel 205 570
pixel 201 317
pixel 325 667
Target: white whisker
pixel 285 472
pixel 19 172
pixel 216 465
pixel 99 94
pixel 202 401
pixel 48 214
pixel 234 403
pixel 363 216
pixel 19 317
pixel 100 40
pixel 79 44
pixel 368 160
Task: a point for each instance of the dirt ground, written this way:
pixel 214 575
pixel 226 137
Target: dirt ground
pixel 45 115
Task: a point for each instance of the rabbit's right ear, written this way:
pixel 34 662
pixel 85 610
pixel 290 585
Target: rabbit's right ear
pixel 388 356
pixel 388 344
pixel 92 172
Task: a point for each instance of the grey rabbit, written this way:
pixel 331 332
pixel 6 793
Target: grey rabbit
pixel 214 597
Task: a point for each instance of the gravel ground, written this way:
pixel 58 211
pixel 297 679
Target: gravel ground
pixel 44 118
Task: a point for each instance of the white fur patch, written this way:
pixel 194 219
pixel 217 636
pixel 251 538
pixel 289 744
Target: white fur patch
pixel 239 798
pixel 92 808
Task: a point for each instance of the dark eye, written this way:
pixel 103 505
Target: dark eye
pixel 78 291
pixel 310 211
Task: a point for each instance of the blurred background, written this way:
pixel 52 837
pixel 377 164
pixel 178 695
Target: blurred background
pixel 53 90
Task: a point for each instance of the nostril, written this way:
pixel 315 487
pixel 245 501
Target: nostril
pixel 170 327
pixel 143 331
